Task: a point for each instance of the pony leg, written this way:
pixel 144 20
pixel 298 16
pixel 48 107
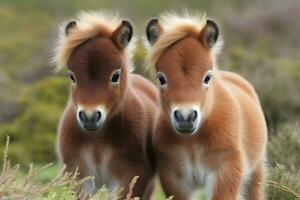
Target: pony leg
pixel 225 183
pixel 171 186
pixel 150 189
pixel 256 184
pixel 143 188
pixel 87 188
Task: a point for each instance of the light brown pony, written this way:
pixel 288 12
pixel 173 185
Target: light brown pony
pixel 107 123
pixel 210 129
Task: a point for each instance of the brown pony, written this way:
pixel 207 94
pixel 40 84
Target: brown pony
pixel 107 123
pixel 210 129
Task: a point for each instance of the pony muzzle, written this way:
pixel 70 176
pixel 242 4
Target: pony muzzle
pixel 90 120
pixel 185 121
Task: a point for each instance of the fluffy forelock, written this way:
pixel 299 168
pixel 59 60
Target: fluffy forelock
pixel 176 27
pixel 89 25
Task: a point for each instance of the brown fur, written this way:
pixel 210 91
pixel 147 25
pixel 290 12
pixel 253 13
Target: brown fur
pixel 227 152
pixel 118 151
pixel 88 25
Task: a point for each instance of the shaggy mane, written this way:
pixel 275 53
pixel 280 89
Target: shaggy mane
pixel 176 27
pixel 89 25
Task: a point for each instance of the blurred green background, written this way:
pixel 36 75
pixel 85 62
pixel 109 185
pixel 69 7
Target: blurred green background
pixel 262 43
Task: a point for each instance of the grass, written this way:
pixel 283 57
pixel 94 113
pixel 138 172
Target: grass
pixel 284 160
pixel 282 184
pixel 50 182
pixel 270 59
pixel 15 185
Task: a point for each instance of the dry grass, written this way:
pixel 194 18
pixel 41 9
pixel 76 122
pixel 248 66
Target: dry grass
pixel 283 184
pixel 284 160
pixel 15 185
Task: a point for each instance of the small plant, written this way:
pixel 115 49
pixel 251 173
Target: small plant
pixel 284 147
pixel 283 181
pixel 282 184
pixel 14 185
pixel 284 158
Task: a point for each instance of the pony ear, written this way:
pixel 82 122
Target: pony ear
pixel 122 35
pixel 209 35
pixel 153 31
pixel 69 27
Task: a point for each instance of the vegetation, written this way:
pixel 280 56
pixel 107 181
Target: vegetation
pixel 37 121
pixel 265 49
pixel 48 182
pixel 283 163
pixel 261 43
pixel 15 185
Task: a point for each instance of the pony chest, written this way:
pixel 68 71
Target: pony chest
pixel 193 170
pixel 97 165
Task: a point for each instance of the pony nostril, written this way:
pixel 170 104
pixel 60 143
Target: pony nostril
pixel 193 116
pixel 82 116
pixel 178 116
pixel 96 117
pixel 90 121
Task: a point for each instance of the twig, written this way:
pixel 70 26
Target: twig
pixel 282 187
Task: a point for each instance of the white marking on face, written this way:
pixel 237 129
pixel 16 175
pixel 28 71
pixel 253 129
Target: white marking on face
pixel 185 110
pixel 89 110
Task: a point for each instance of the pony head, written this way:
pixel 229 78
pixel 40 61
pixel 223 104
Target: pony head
pixel 182 50
pixel 96 50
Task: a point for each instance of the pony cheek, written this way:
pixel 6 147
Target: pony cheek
pixel 166 107
pixel 112 103
pixel 74 97
pixel 204 100
pixel 166 99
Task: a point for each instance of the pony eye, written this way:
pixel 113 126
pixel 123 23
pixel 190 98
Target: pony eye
pixel 72 77
pixel 162 79
pixel 207 78
pixel 116 76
